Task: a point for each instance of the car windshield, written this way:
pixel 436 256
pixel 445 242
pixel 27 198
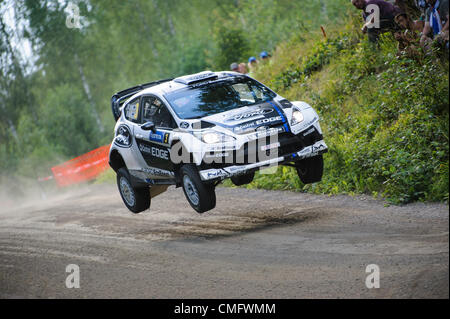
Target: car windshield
pixel 217 97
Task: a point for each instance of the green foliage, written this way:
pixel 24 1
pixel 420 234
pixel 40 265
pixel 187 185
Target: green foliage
pixel 72 130
pixel 232 46
pixel 321 55
pixel 385 118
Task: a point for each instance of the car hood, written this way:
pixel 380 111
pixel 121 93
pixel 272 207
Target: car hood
pixel 248 119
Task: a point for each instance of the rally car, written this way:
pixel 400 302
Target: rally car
pixel 197 130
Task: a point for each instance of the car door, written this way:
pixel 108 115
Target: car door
pixel 155 145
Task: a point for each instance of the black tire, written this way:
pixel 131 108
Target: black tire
pixel 136 199
pixel 310 170
pixel 201 196
pixel 243 179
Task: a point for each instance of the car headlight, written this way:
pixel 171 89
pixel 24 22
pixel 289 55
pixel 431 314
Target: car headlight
pixel 215 138
pixel 297 117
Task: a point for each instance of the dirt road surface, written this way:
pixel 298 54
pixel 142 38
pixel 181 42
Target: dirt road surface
pixel 255 244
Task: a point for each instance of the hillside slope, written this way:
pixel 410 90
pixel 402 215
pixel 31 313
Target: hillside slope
pixel 385 118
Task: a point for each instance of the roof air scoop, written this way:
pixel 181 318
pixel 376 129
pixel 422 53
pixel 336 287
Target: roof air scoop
pixel 198 77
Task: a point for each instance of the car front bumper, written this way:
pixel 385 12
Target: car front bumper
pixel 221 173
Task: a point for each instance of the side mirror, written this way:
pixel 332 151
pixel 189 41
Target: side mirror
pixel 149 126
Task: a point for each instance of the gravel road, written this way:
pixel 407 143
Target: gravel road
pixel 255 244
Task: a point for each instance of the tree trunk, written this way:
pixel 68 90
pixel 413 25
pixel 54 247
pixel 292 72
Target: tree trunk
pixel 87 91
pixel 147 31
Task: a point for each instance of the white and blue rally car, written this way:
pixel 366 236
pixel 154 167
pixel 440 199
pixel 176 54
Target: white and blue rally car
pixel 197 130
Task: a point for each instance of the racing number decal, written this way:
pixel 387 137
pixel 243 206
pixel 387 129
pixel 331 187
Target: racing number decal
pixel 166 138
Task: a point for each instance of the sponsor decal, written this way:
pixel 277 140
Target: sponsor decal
pixel 260 123
pixel 157 171
pixel 311 130
pixel 306 151
pixel 200 76
pixel 123 137
pixel 156 137
pixel 312 150
pixel 269 120
pixel 264 133
pixel 235 169
pixel 270 146
pixel 312 121
pixel 316 148
pixel 250 114
pixel 244 127
pixel 285 104
pixel 184 125
pixel 215 174
pixel 154 151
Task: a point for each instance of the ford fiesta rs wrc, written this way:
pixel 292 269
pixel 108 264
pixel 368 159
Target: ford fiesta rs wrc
pixel 197 130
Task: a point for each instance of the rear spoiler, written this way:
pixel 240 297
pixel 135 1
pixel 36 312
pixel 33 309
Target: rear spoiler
pixel 119 98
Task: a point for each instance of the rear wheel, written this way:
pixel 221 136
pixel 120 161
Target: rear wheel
pixel 201 196
pixel 243 179
pixel 136 199
pixel 310 170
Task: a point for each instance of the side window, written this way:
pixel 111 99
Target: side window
pixel 155 111
pixel 132 111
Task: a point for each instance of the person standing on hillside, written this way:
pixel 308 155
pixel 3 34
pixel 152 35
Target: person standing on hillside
pixel 387 13
pixel 234 67
pixel 436 23
pixel 252 65
pixel 242 68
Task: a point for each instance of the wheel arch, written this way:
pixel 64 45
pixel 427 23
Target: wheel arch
pixel 116 160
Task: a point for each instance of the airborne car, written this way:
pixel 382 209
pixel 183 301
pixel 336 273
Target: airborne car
pixel 197 130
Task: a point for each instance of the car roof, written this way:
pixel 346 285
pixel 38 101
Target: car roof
pixel 185 81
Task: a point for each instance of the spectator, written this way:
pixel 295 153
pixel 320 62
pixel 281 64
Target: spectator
pixel 387 14
pixel 436 23
pixel 252 64
pixel 422 5
pixel 264 56
pixel 234 67
pixel 242 68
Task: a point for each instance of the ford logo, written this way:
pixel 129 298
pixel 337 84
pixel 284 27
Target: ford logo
pixel 250 114
pixel 184 125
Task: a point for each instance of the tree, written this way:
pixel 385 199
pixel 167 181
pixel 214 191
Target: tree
pixel 232 47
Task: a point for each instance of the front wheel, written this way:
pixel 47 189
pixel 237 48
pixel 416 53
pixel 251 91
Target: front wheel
pixel 310 170
pixel 136 199
pixel 201 196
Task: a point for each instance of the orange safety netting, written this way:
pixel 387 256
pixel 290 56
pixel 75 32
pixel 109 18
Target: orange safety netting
pixel 82 168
